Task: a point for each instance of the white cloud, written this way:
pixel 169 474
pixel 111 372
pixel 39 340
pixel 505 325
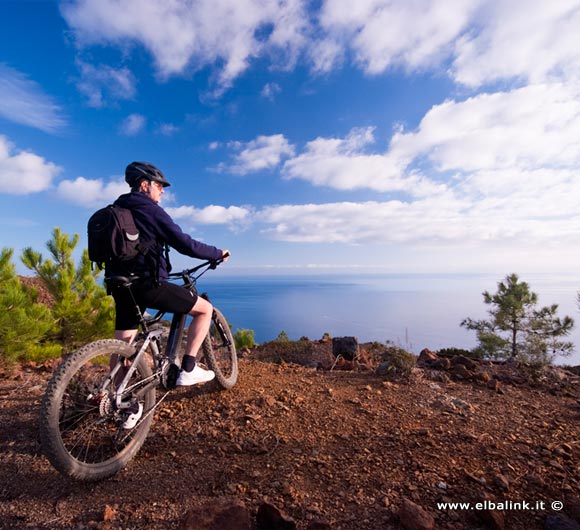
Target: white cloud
pixel 103 85
pixel 500 167
pixel 382 34
pixel 265 152
pixel 440 220
pixel 23 172
pixel 90 193
pixel 362 223
pixel 532 127
pixel 526 129
pixel 168 129
pixel 133 125
pixel 347 164
pixel 194 34
pixel 235 217
pixel 270 91
pixel 483 40
pixel 475 41
pixel 23 101
pixel 532 40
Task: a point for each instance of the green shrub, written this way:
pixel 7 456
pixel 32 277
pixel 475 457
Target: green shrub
pixel 24 323
pixel 476 353
pixel 244 338
pixel 282 337
pixel 397 363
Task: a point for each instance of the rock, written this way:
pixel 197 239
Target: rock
pixel 225 513
pixel 463 405
pixel 482 377
pixel 470 364
pixel 439 377
pixel 269 517
pixel 460 371
pixel 502 482
pixel 346 347
pixel 110 512
pixel 534 479
pixel 427 357
pixel 494 384
pixel 572 505
pixel 383 369
pixel 413 517
pixel 560 522
pixel 441 364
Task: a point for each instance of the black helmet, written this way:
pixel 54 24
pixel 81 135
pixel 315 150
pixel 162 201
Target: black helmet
pixel 137 171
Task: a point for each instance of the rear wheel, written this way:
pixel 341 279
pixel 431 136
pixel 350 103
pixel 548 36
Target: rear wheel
pixel 220 351
pixel 82 431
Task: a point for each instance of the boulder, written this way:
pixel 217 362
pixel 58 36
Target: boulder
pixel 270 517
pixel 470 364
pixel 441 364
pixel 573 507
pixel 427 357
pixel 560 522
pixel 460 371
pixel 345 347
pixel 494 384
pixel 413 517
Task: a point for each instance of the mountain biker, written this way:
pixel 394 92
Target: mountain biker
pixel 153 290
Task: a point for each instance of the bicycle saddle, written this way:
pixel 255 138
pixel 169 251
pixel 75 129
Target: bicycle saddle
pixel 121 281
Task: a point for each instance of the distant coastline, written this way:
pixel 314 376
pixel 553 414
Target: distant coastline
pixel 414 310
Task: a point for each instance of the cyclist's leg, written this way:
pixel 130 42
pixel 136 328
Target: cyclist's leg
pixel 199 327
pixel 126 318
pixel 192 373
pixel 127 335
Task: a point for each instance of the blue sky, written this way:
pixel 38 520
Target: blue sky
pixel 401 135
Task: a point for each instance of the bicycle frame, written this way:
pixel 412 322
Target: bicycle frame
pixel 150 339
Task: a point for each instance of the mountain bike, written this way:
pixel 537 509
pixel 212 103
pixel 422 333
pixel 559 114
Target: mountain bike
pixel 83 415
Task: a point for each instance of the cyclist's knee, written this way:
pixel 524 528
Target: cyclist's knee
pixel 201 306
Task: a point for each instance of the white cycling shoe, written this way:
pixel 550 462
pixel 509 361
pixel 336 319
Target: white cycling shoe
pixel 135 413
pixel 196 376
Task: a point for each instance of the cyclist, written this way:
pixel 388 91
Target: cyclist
pixel 154 291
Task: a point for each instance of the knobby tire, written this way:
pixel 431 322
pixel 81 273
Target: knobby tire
pixel 81 432
pixel 219 351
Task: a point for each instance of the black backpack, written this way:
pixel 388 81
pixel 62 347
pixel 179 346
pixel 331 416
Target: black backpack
pixel 113 236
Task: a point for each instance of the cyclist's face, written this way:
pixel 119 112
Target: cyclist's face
pixel 155 191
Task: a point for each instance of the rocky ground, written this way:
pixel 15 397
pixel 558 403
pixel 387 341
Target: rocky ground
pixel 331 449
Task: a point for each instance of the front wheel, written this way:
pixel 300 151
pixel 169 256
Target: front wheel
pixel 83 434
pixel 220 351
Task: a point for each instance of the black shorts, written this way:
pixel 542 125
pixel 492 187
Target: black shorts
pixel 167 297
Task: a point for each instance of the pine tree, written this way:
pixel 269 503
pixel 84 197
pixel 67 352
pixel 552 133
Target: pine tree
pixel 517 329
pixel 24 324
pixel 82 309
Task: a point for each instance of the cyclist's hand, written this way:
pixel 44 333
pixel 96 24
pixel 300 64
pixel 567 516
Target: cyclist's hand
pixel 225 255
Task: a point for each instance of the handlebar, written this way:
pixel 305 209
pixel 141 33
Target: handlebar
pixel 186 274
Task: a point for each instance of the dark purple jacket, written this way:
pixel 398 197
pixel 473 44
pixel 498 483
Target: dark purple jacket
pixel 155 224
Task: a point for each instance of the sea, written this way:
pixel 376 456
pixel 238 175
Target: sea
pixel 414 311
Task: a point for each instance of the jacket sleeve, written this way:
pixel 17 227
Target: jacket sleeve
pixel 171 233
